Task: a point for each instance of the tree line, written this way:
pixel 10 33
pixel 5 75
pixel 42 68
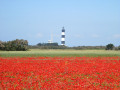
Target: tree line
pixel 112 47
pixel 14 45
pixel 56 46
pixel 22 45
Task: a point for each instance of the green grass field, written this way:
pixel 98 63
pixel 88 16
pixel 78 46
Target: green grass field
pixel 54 53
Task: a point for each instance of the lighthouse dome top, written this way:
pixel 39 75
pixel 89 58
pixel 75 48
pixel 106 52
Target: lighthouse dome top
pixel 63 30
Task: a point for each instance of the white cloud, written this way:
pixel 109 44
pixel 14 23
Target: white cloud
pixel 116 36
pixel 56 36
pixel 78 36
pixel 39 35
pixel 95 36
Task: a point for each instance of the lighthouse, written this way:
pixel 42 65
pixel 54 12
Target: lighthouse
pixel 63 36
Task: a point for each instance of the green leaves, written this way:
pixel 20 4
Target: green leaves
pixel 15 45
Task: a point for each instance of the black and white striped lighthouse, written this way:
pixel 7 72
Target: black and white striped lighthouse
pixel 63 36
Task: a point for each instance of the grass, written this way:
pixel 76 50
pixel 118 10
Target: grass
pixel 63 53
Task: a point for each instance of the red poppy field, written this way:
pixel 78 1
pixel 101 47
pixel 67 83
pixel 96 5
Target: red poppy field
pixel 59 73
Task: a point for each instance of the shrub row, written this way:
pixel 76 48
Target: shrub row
pixel 15 45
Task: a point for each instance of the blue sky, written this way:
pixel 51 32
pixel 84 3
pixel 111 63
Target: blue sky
pixel 87 22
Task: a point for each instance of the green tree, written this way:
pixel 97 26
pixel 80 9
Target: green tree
pixel 1 45
pixel 118 47
pixel 109 47
pixel 15 45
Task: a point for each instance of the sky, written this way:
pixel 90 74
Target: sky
pixel 86 22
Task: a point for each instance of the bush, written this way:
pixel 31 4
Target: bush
pixel 1 45
pixel 118 47
pixel 15 45
pixel 109 47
